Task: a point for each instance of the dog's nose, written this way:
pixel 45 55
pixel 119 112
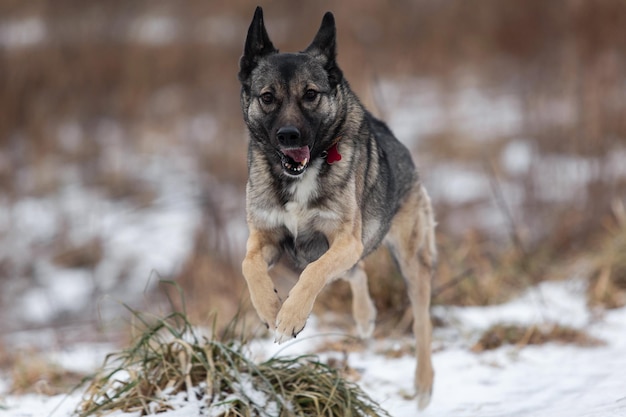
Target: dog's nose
pixel 288 134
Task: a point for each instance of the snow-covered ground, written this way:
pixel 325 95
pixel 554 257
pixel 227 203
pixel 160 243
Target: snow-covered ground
pixel 544 380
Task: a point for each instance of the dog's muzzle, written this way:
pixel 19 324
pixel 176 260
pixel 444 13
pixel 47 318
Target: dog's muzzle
pixel 295 160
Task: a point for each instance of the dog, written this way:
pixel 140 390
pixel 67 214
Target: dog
pixel 328 183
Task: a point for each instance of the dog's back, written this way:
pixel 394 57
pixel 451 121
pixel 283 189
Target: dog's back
pixel 388 176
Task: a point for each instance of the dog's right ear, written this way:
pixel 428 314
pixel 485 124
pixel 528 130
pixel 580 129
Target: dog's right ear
pixel 257 45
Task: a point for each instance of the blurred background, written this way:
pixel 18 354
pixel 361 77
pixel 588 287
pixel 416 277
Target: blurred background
pixel 123 151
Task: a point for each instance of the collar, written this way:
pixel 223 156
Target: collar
pixel 332 155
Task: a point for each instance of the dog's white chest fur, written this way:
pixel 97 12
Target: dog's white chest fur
pixel 296 214
pixel 306 188
pixel 296 211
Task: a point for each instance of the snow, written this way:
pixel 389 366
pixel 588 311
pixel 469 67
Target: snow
pixel 544 380
pixel 510 381
pixel 154 30
pixel 135 242
pixel 148 29
pixel 422 107
pixel 517 156
pixel 22 33
pixel 455 184
pixel 537 380
pixel 550 302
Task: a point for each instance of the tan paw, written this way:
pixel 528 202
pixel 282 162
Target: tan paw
pixel 424 386
pixel 267 309
pixel 291 320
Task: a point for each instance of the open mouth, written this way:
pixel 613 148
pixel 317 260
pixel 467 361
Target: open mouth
pixel 295 160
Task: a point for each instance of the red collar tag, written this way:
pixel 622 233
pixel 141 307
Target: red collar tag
pixel 333 155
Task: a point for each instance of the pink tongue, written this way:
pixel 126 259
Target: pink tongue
pixel 298 154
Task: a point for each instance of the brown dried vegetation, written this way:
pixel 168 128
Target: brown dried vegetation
pixel 521 336
pixel 90 71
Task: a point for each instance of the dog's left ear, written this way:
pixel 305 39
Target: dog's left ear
pixel 258 45
pixel 324 46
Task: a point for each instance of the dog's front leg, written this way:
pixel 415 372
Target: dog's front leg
pixel 344 252
pixel 261 252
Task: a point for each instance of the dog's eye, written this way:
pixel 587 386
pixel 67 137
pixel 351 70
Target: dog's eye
pixel 310 95
pixel 267 98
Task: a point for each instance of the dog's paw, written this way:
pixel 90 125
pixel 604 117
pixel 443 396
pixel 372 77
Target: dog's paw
pixel 365 330
pixel 281 338
pixel 267 310
pixel 290 321
pixel 423 399
pixel 365 317
pixel 424 385
pixel 287 330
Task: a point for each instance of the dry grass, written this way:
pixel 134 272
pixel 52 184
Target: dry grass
pixel 169 357
pixel 566 51
pixel 500 334
pixel 32 372
pixel 86 255
pixel 607 287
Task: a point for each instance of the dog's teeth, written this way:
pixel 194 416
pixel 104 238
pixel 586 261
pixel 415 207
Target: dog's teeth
pixel 296 168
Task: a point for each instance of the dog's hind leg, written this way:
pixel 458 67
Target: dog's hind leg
pixel 412 243
pixel 363 308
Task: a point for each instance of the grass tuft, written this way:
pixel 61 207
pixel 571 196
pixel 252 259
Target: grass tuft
pixel 170 364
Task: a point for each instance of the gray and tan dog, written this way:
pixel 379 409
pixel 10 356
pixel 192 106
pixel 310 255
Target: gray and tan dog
pixel 328 183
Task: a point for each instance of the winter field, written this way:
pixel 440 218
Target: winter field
pixel 122 164
pixel 545 380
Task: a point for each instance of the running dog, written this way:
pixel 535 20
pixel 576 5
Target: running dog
pixel 328 183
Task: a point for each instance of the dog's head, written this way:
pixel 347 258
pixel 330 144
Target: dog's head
pixel 289 100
